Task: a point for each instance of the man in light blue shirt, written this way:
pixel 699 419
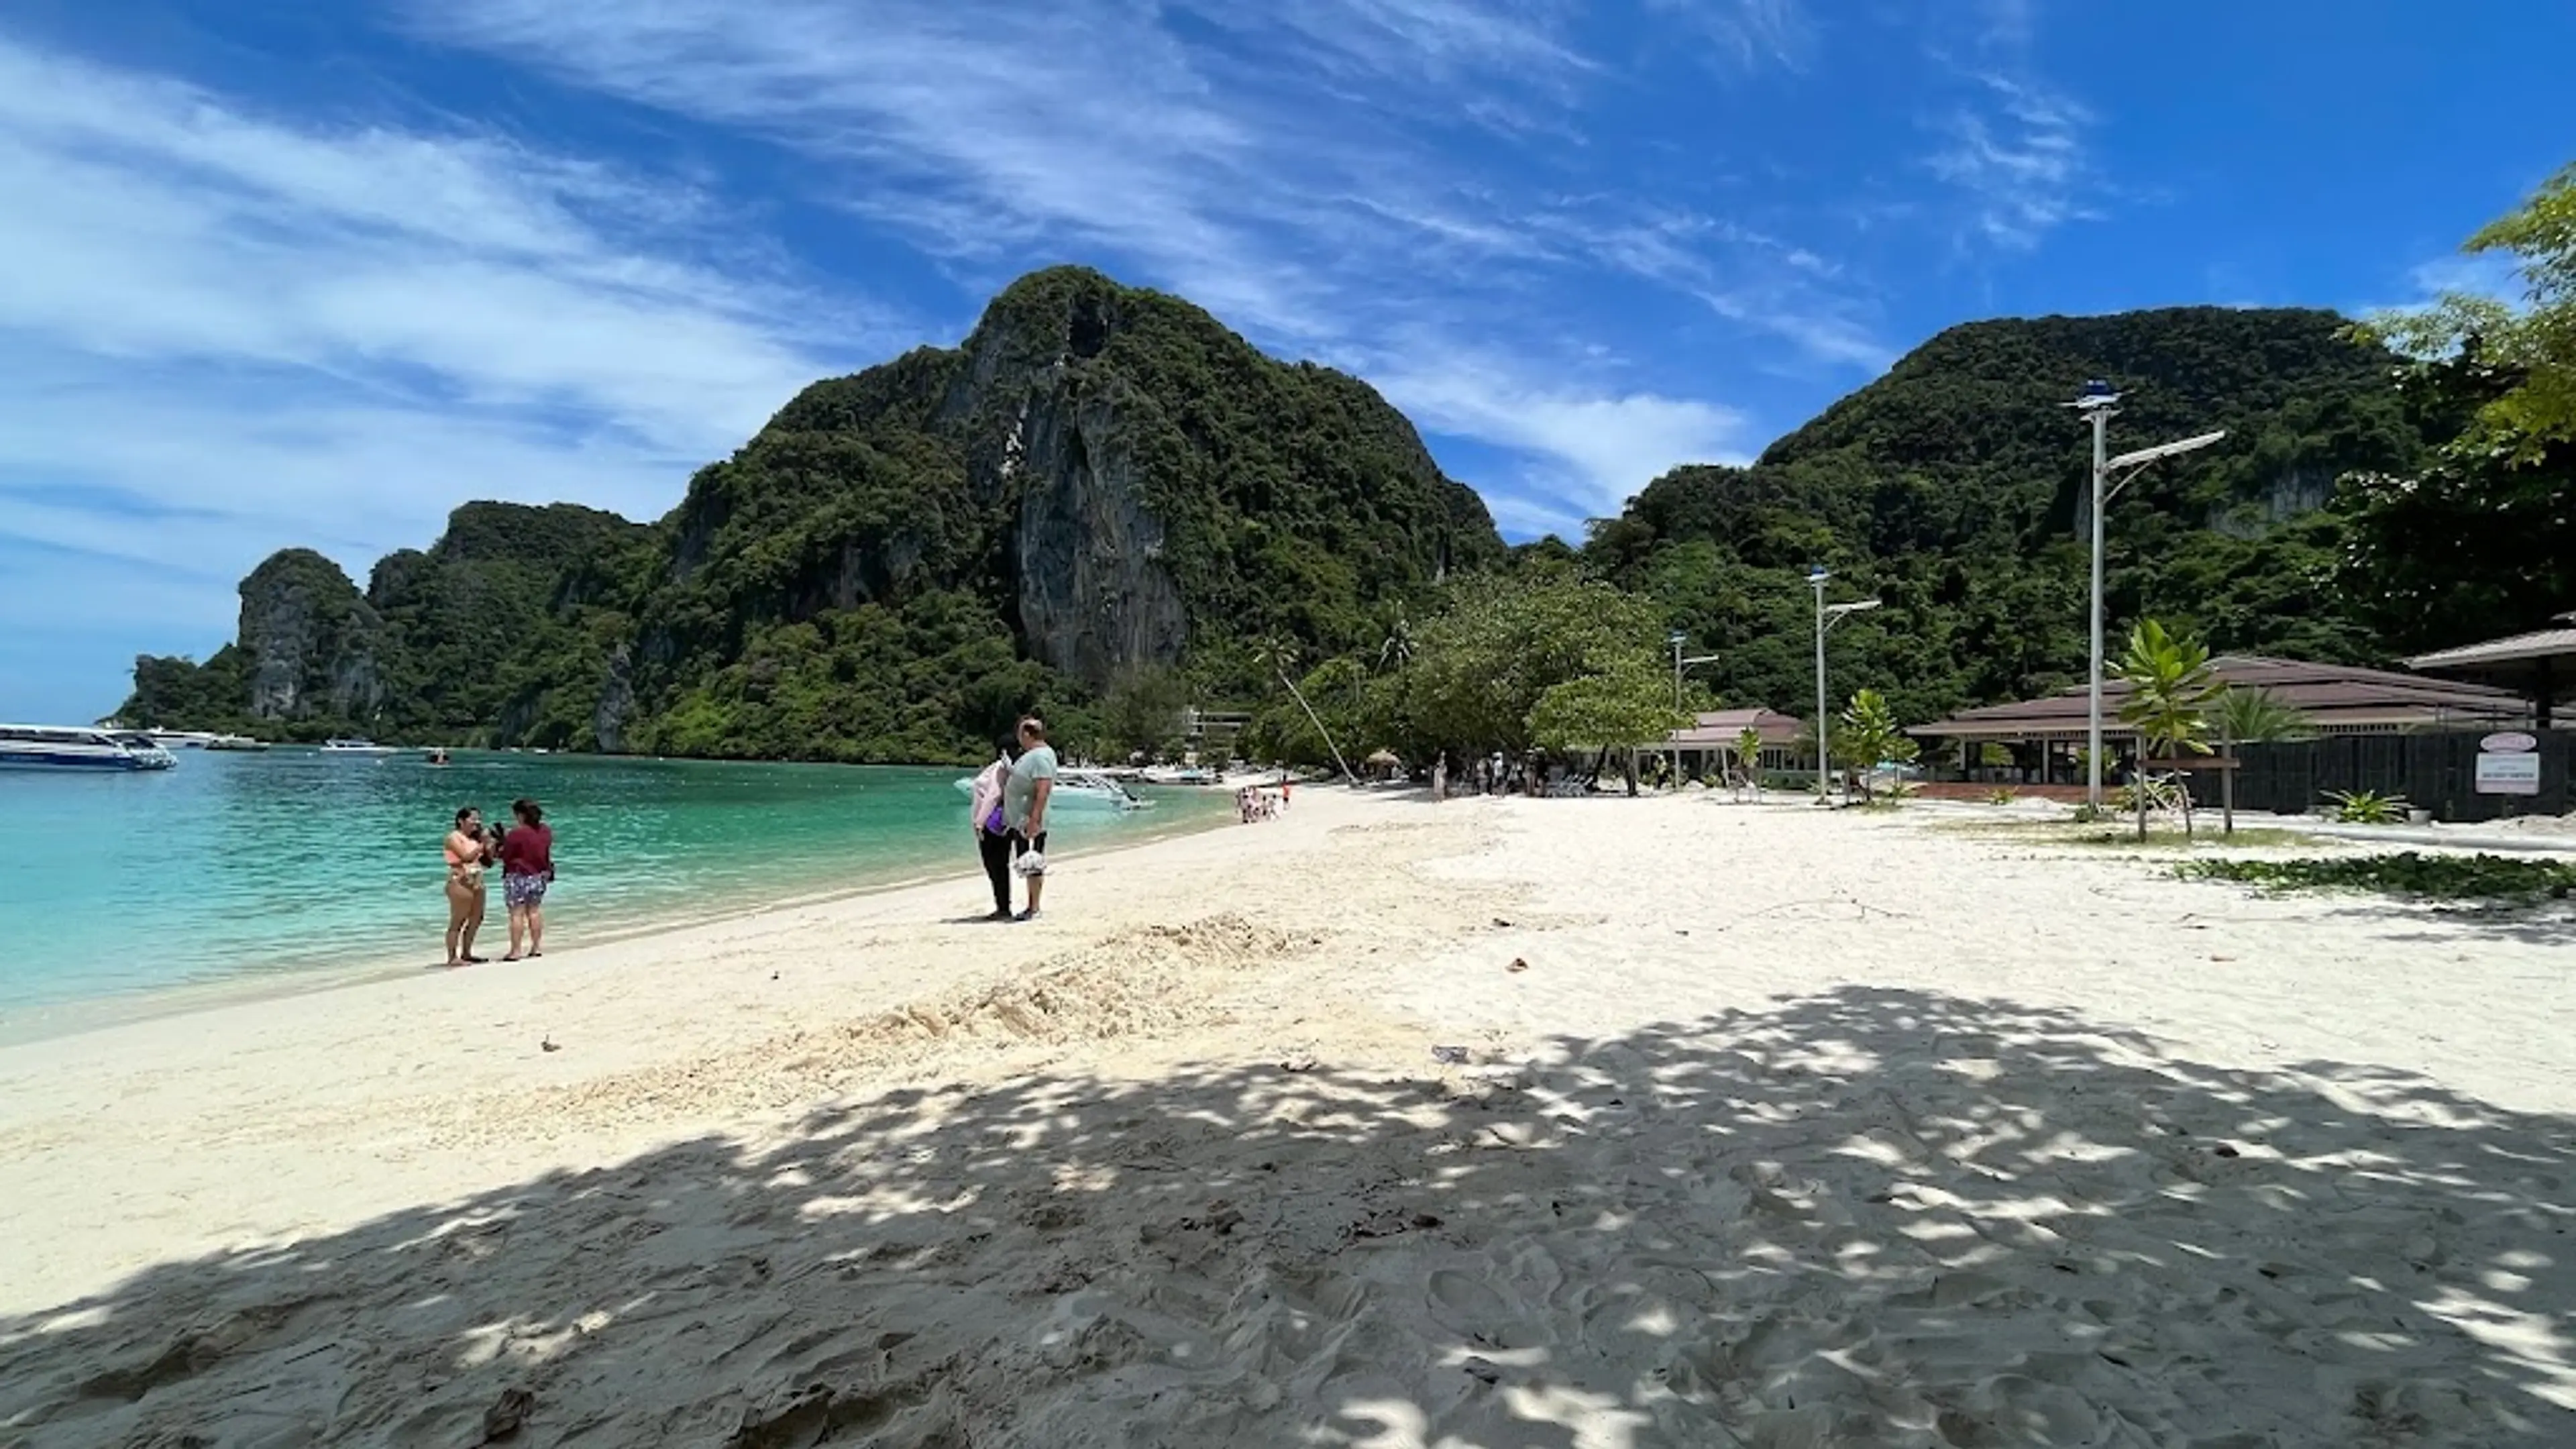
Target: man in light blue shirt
pixel 1025 796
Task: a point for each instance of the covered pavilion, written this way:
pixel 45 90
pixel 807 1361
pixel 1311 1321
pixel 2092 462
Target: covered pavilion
pixel 2539 666
pixel 2046 735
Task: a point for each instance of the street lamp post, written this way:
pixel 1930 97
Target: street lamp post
pixel 1677 639
pixel 1827 616
pixel 2098 405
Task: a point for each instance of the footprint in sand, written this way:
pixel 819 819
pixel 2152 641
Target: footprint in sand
pixel 1464 1304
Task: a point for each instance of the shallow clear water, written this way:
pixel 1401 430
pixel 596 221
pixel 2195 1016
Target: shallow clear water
pixel 237 864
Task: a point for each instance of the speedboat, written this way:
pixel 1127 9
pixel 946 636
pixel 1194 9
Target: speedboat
pixel 355 747
pixel 58 747
pixel 181 739
pixel 1081 789
pixel 242 743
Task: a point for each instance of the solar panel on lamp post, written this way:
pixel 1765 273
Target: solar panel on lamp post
pixel 2098 405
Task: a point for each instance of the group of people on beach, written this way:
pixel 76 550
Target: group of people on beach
pixel 1254 802
pixel 526 855
pixel 1009 816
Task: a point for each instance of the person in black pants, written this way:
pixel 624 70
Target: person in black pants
pixel 992 840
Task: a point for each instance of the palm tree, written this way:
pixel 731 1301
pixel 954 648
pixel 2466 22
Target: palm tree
pixel 1396 650
pixel 2171 688
pixel 1869 731
pixel 1279 656
pixel 1748 758
pixel 2251 717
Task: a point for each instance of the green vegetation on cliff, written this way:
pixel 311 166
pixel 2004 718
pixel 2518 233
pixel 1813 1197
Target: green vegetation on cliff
pixel 1101 484
pixel 1103 505
pixel 1955 487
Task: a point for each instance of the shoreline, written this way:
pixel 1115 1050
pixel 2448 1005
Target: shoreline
pixel 1666 1120
pixel 77 1016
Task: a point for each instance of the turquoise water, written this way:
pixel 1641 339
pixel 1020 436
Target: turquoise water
pixel 238 865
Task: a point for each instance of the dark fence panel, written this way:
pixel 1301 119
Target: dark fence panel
pixel 2436 772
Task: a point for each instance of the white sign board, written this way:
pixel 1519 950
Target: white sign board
pixel 2508 775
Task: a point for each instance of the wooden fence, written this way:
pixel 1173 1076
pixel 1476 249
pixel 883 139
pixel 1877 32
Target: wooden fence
pixel 2434 771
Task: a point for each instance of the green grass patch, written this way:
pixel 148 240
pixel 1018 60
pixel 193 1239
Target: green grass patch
pixel 2410 873
pixel 2105 835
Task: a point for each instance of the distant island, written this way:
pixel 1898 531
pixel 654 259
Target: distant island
pixel 1104 501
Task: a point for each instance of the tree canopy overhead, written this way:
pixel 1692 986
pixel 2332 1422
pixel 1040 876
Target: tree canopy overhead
pixel 2534 342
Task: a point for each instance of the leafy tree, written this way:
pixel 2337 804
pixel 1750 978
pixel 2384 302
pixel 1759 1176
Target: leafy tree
pixel 2171 691
pixel 2478 541
pixel 1142 714
pixel 1625 705
pixel 1500 642
pixel 2535 343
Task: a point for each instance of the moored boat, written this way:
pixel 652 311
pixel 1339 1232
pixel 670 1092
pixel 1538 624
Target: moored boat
pixel 242 743
pixel 1081 789
pixel 355 747
pixel 75 748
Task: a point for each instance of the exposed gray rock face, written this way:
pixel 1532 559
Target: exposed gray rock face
pixel 311 639
pixel 616 705
pixel 1095 598
pixel 2292 493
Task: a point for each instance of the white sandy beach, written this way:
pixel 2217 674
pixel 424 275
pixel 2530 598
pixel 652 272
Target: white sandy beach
pixel 1776 1128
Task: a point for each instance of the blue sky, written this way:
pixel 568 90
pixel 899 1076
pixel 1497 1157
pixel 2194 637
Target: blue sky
pixel 277 272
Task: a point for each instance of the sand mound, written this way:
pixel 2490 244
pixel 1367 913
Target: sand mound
pixel 1148 981
pixel 1152 979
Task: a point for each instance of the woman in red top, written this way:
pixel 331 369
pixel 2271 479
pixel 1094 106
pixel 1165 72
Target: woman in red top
pixel 527 868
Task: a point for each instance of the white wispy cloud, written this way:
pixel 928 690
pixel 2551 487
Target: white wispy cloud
pixel 1589 449
pixel 1742 33
pixel 2017 151
pixel 971 134
pixel 1284 173
pixel 228 332
pixel 1743 275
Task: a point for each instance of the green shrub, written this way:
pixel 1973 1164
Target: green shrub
pixel 2437 877
pixel 2367 807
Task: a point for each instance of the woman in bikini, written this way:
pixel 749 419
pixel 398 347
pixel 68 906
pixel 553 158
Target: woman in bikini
pixel 466 859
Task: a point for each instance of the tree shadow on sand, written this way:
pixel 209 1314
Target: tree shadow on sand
pixel 1863 1218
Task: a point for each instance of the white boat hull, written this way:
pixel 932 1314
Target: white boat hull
pixel 73 750
pixel 1071 793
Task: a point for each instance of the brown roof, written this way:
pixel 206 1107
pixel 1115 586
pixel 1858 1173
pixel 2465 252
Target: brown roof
pixel 1718 729
pixel 2514 657
pixel 2330 695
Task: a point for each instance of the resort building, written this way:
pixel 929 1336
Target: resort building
pixel 2040 740
pixel 1708 745
pixel 2539 666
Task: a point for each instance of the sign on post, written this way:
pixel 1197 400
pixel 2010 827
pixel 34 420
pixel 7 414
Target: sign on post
pixel 2499 773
